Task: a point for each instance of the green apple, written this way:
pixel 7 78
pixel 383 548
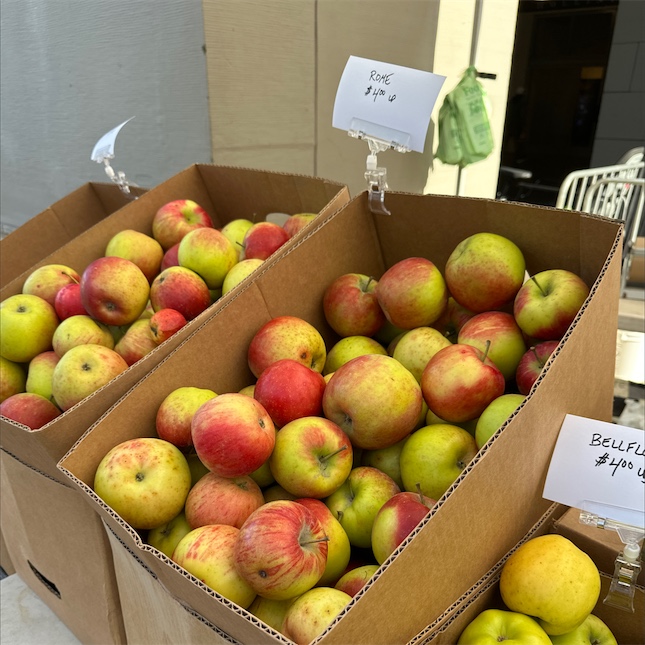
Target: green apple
pixel 167 536
pixel 208 253
pixel 338 547
pixel 387 460
pixel 485 271
pixel 350 347
pixel 357 501
pixel 550 578
pixel 592 631
pixel 548 302
pixel 263 476
pixel 175 413
pixel 495 415
pixel 27 325
pixel 82 371
pixel 412 293
pixel 40 373
pixel 311 613
pixel 208 552
pixel 80 330
pixel 374 399
pixel 312 457
pixel 494 626
pixel 507 345
pixel 13 378
pixel 197 468
pixel 271 612
pixel 235 230
pixel 142 249
pixel 416 347
pixel 433 457
pixel 145 480
pixel 239 272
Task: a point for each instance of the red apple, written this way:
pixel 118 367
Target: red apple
pixel 452 319
pixel 352 581
pixel 281 550
pixel 136 342
pixel 548 302
pixel 374 399
pixel 485 271
pixel 176 411
pixel 164 323
pixel 351 307
pixel 233 434
pixel 176 218
pixel 531 365
pixel 180 289
pixel 289 390
pixel 412 293
pixel 170 258
pixel 262 240
pixel 312 457
pixel 459 382
pixel 114 291
pixel 286 337
pixel 30 409
pixel 68 301
pixel 46 281
pixel 396 519
pixel 296 222
pixel 222 500
pixel 507 344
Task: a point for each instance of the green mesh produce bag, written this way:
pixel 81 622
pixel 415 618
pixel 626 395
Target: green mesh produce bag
pixel 464 129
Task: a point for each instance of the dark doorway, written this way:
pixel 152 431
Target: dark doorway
pixel 557 76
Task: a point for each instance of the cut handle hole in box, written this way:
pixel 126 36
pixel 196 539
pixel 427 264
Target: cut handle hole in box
pixel 48 583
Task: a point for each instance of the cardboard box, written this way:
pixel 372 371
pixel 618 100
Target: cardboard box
pixel 5 560
pixel 636 277
pixel 627 627
pixel 226 193
pixel 60 550
pixel 497 499
pixel 58 224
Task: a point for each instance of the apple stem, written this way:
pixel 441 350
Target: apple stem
pixel 331 454
pixel 340 515
pixel 316 541
pixel 418 486
pixel 486 351
pixel 537 358
pixel 538 285
pixel 71 277
pixel 370 279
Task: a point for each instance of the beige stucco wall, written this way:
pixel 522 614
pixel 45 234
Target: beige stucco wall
pixel 274 68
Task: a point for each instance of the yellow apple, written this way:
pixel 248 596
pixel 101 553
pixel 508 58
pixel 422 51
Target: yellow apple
pixel 27 325
pixel 81 330
pixel 238 272
pixel 13 379
pixel 166 537
pixel 493 626
pixel 550 578
pixel 350 347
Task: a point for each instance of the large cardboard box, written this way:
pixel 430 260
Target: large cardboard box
pixel 34 483
pixel 495 501
pixel 627 627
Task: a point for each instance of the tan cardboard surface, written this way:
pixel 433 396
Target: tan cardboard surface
pixel 492 505
pixel 59 549
pixel 602 545
pixel 226 193
pixel 5 560
pixel 55 226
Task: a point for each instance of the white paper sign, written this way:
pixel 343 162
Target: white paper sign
pixel 599 467
pixel 104 148
pixel 385 97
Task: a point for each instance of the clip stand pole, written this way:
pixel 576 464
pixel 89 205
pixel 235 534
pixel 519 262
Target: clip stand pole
pixel 118 178
pixel 627 565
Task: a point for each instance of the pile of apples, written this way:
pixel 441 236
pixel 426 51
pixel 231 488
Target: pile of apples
pixel 68 333
pixel 549 588
pixel 287 496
